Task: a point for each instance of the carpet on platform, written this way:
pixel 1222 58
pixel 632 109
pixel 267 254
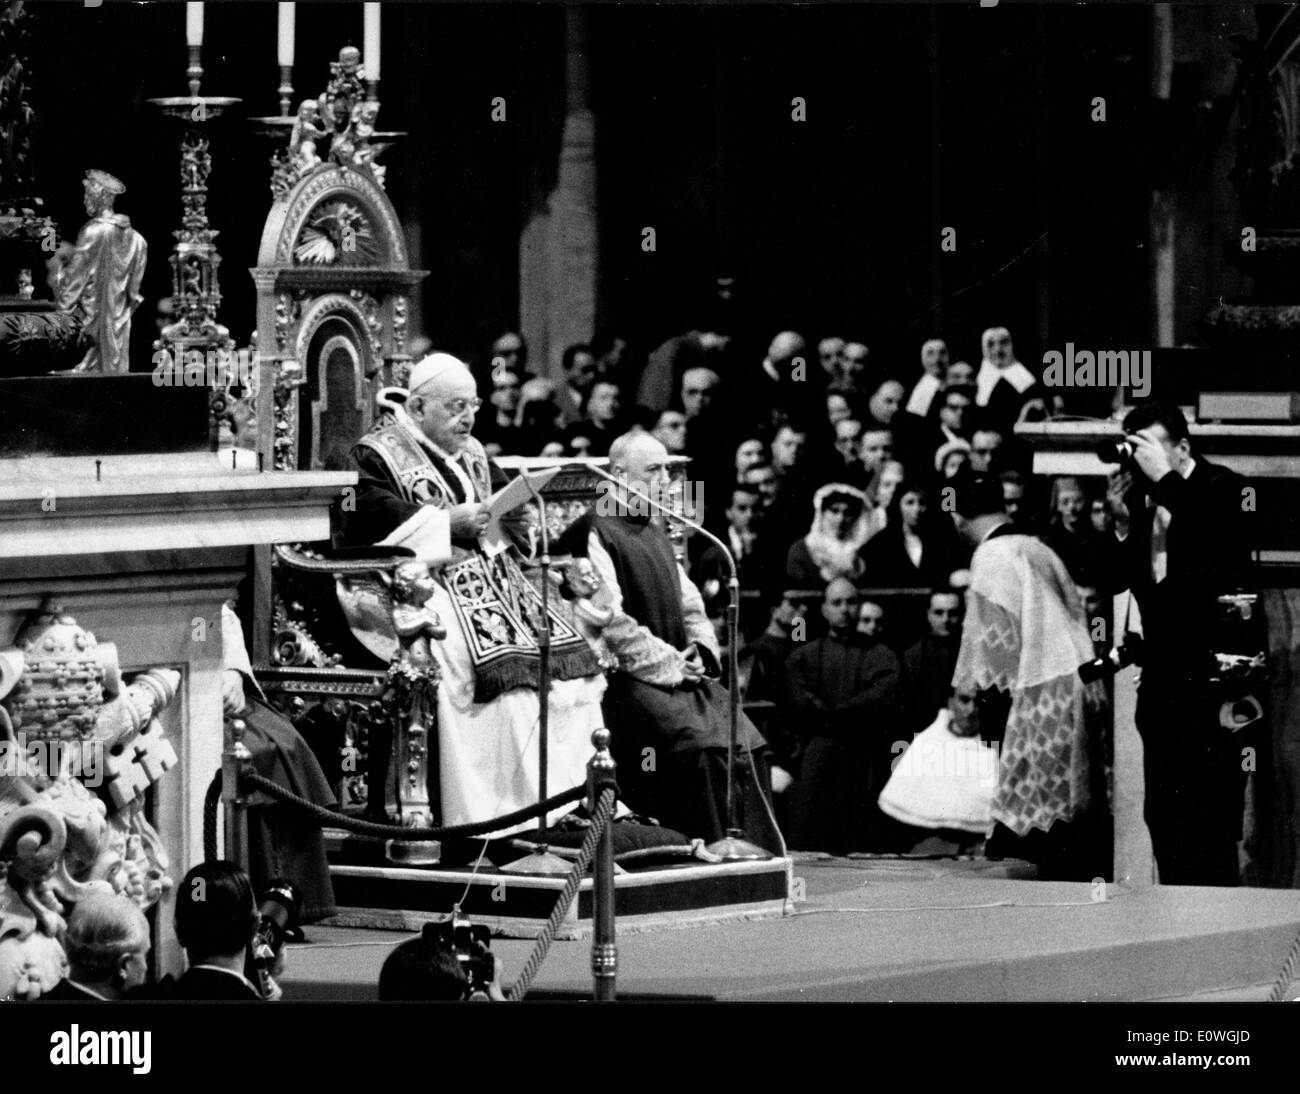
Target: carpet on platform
pixel 930 931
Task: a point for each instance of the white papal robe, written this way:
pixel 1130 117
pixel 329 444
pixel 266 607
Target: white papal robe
pixel 487 700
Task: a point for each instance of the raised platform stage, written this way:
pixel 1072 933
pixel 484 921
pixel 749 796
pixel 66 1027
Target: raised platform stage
pixel 518 905
pixel 880 930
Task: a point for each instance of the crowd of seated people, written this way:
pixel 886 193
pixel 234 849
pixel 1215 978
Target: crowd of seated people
pixel 823 471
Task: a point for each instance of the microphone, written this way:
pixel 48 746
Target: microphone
pixel 733 574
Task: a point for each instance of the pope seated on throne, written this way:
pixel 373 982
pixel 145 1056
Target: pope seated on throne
pixel 423 483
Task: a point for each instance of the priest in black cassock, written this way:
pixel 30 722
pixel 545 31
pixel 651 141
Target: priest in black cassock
pixel 846 691
pixel 666 708
pixel 281 842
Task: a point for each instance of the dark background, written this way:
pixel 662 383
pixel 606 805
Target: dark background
pixel 919 117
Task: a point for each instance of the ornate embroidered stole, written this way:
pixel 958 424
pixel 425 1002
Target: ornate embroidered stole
pixel 497 608
pixel 423 475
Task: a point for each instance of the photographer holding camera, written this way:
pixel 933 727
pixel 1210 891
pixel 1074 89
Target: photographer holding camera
pixel 216 918
pixel 1183 542
pixel 450 962
pixel 233 942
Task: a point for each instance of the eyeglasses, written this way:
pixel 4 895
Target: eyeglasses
pixel 457 407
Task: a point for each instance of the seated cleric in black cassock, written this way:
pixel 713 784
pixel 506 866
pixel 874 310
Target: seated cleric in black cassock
pixel 666 709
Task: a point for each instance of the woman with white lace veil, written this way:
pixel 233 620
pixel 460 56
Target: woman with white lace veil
pixel 830 549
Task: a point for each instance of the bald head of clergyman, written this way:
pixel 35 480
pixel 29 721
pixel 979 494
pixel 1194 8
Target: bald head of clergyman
pixel 641 461
pixel 840 606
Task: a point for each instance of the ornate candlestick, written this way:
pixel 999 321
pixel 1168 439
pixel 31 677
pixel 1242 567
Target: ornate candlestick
pixel 278 128
pixel 286 89
pixel 284 54
pixel 196 290
pixel 194 72
pixel 281 128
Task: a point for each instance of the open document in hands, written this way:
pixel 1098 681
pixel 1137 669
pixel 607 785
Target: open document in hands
pixel 518 491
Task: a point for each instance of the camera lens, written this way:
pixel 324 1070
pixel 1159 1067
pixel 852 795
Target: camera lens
pixel 1095 669
pixel 1114 451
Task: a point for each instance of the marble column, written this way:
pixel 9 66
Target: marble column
pixel 558 258
pixel 1163 233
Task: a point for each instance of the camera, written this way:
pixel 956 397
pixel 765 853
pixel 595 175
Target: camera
pixel 1242 668
pixel 1120 452
pixel 278 909
pixel 1130 653
pixel 470 943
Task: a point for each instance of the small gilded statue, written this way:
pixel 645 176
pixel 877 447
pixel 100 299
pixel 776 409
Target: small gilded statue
pixel 344 112
pixel 352 148
pixel 362 129
pixel 412 686
pixel 582 582
pixel 98 280
pixel 345 89
pixel 307 131
pixel 413 680
pixel 413 620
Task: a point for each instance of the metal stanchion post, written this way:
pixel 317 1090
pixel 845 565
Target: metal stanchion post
pixel 234 761
pixel 604 952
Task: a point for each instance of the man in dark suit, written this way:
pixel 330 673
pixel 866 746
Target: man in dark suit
pixel 1183 542
pixel 759 561
pixel 928 663
pixel 216 915
pixel 107 943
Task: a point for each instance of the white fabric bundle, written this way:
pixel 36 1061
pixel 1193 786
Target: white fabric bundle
pixel 943 781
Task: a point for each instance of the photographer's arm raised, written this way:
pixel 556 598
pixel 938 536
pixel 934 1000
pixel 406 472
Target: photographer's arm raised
pixel 1176 494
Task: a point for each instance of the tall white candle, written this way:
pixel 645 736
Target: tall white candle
pixel 194 24
pixel 286 36
pixel 371 55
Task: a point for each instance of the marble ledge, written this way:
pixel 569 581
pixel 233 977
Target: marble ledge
pixel 180 504
pixel 199 465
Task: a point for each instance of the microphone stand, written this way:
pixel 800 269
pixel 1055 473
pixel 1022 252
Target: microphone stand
pixel 541 861
pixel 733 847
